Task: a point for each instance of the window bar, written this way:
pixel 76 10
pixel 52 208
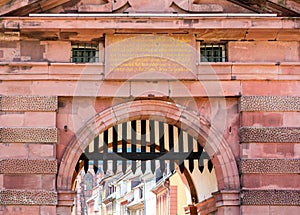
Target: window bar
pixel 190 148
pixel 180 146
pixel 124 145
pixel 105 150
pixel 210 165
pixel 171 146
pixel 200 161
pixel 143 143
pixel 115 147
pixel 152 143
pixel 161 144
pixel 133 144
pixel 96 151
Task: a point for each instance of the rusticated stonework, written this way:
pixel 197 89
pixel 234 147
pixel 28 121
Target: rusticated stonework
pixel 270 103
pixel 271 197
pixel 270 166
pixel 269 135
pixel 28 135
pixel 28 103
pixel 21 197
pixel 18 166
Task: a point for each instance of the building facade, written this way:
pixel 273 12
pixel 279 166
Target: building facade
pixel 225 74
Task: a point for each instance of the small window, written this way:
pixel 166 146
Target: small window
pixel 85 53
pixel 213 53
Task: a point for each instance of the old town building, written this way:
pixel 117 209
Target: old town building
pixel 209 87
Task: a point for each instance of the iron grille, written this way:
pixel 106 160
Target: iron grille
pixel 213 53
pixel 85 53
pixel 142 141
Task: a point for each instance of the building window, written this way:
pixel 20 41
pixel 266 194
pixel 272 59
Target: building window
pixel 85 53
pixel 213 53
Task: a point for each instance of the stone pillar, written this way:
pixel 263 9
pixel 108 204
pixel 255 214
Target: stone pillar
pixel 227 202
pixel 65 202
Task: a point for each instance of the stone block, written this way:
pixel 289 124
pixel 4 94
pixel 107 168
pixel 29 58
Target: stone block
pixel 13 150
pixel 270 150
pixel 39 151
pixel 19 210
pixel 270 88
pixel 28 135
pixel 270 166
pixel 262 119
pixel 271 181
pixel 271 197
pixel 269 135
pixel 256 51
pixel 57 51
pixel 270 103
pixel 28 197
pixel 28 103
pixel 18 166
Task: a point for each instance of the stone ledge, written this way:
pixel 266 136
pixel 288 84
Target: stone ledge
pixel 28 103
pixel 270 103
pixel 18 166
pixel 28 135
pixel 269 135
pixel 270 166
pixel 32 197
pixel 271 197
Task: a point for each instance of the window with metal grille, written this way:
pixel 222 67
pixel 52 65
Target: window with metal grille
pixel 213 53
pixel 85 53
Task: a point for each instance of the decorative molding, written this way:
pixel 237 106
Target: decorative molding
pixel 270 166
pixel 270 103
pixel 18 166
pixel 271 197
pixel 32 197
pixel 269 135
pixel 28 135
pixel 28 103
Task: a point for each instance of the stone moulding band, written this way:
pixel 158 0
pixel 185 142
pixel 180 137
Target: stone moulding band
pixel 28 135
pixel 18 166
pixel 271 197
pixel 270 103
pixel 28 103
pixel 269 135
pixel 31 197
pixel 270 166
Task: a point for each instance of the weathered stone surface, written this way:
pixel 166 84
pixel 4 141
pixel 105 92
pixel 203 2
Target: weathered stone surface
pixel 271 197
pixel 28 103
pixel 268 166
pixel 28 135
pixel 28 197
pixel 23 166
pixel 270 103
pixel 269 135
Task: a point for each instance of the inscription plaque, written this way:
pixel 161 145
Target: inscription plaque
pixel 150 57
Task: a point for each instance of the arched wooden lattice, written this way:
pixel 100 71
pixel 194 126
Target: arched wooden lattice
pixel 144 140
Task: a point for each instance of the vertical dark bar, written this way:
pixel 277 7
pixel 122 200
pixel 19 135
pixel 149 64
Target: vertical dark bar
pixel 210 165
pixel 124 145
pixel 105 150
pixel 143 143
pixel 180 146
pixel 96 152
pixel 115 147
pixel 86 161
pixel 200 161
pixel 133 144
pixel 171 145
pixel 190 148
pixel 162 145
pixel 152 143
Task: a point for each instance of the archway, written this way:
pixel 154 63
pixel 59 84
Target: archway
pixel 173 114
